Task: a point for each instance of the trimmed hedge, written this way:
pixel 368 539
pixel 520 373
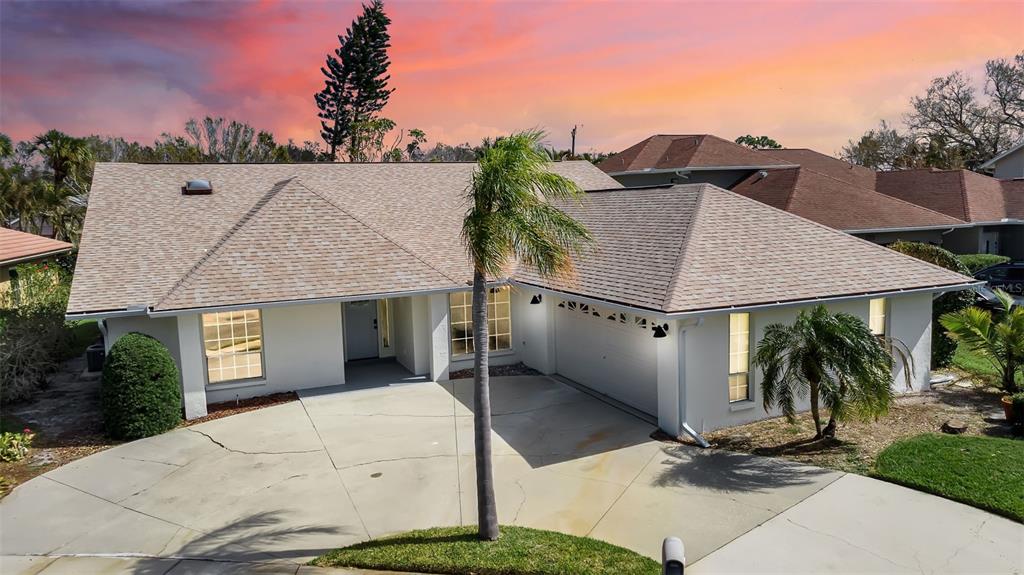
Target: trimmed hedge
pixel 943 348
pixel 978 262
pixel 140 391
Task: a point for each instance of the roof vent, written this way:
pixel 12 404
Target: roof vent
pixel 197 188
pixel 762 174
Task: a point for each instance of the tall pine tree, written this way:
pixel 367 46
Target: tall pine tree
pixel 356 80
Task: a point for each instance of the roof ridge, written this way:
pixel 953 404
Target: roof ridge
pixel 963 196
pixel 684 243
pixel 376 231
pixel 248 216
pixel 901 200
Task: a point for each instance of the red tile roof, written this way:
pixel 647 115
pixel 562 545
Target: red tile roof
pixel 663 152
pixel 16 247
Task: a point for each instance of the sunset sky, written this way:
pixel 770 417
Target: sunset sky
pixel 809 74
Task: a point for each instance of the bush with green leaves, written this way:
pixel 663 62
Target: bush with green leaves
pixel 14 446
pixel 978 262
pixel 33 335
pixel 1017 401
pixel 140 395
pixel 996 336
pixel 943 347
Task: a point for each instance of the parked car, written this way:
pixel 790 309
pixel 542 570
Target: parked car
pixel 1008 277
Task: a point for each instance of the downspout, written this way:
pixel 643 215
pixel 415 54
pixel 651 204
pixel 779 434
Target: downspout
pixel 684 425
pixel 102 324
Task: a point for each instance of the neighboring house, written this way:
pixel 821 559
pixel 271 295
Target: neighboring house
pixel 960 210
pixel 1008 165
pixel 288 276
pixel 21 248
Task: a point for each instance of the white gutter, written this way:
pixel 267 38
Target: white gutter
pixel 33 257
pixel 791 303
pixel 664 316
pixel 335 299
pixel 950 227
pixel 702 169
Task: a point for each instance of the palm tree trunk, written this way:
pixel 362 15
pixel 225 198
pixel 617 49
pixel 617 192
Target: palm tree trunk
pixel 830 429
pixel 487 508
pixel 814 410
pixel 1009 379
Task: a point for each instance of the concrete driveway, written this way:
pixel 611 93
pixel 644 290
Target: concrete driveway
pixel 284 484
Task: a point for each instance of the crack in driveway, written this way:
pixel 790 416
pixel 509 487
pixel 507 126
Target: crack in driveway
pixel 232 450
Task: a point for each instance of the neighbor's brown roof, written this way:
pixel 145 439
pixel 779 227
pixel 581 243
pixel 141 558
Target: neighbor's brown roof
pixel 836 203
pixel 273 232
pixel 662 152
pixel 962 194
pixel 698 247
pixel 823 163
pixel 16 247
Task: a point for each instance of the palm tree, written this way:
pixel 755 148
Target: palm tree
pixel 511 219
pixel 1000 339
pixel 836 359
pixel 68 157
pixel 63 203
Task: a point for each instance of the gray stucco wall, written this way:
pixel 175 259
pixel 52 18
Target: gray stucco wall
pixel 1012 166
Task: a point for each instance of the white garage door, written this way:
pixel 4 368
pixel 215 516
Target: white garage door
pixel 609 352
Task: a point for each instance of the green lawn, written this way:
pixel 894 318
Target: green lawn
pixel 519 551
pixel 979 367
pixel 985 472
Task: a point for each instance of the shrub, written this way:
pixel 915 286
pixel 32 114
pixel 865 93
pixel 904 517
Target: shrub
pixel 943 347
pixel 140 392
pixel 14 446
pixel 1018 408
pixel 33 335
pixel 978 262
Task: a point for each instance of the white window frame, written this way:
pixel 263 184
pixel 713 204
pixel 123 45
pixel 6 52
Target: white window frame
pixel 885 316
pixel 746 373
pixel 227 383
pixel 491 318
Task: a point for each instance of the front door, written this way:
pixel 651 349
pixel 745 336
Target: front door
pixel 360 329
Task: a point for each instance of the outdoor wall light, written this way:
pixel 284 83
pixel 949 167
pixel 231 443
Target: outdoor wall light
pixel 661 330
pixel 536 300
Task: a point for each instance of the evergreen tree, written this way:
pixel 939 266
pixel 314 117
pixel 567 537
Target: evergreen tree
pixel 356 82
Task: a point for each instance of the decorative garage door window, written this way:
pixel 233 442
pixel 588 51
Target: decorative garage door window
pixel 499 320
pixel 594 311
pixel 233 341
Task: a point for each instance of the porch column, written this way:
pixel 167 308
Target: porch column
pixel 669 377
pixel 193 378
pixel 439 336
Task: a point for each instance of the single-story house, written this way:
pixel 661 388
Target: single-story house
pixel 960 210
pixel 18 248
pixel 281 277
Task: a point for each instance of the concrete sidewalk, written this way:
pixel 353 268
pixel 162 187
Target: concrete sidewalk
pixel 282 485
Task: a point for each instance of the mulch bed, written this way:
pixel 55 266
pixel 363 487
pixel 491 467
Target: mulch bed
pixel 497 371
pixel 227 408
pixel 858 443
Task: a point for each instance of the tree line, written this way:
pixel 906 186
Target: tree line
pixel 953 125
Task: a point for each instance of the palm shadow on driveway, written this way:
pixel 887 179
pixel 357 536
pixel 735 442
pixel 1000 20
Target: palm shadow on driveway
pixel 246 539
pixel 727 471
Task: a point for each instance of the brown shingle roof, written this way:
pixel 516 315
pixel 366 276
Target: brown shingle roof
pixel 18 246
pixel 836 203
pixel 142 237
pixel 962 194
pixel 859 176
pixel 662 152
pixel 697 247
